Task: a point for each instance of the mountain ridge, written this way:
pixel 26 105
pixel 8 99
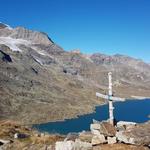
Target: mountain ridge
pixel 43 77
pixel 74 50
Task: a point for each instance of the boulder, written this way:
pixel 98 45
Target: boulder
pixel 112 140
pixel 4 141
pixel 98 139
pixel 139 135
pixel 95 126
pixel 119 146
pixel 95 132
pixel 125 138
pixel 125 124
pixel 71 137
pixel 86 136
pixel 79 145
pixel 104 128
pixel 71 145
pixel 107 129
pixel 65 145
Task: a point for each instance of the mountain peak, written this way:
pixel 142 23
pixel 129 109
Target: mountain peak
pixel 22 33
pixel 34 36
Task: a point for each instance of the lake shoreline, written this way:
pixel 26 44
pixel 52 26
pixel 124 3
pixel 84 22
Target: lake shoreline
pixel 139 98
pixel 99 113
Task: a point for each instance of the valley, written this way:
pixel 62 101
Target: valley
pixel 41 82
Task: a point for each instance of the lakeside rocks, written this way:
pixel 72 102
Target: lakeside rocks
pixel 123 132
pixel 103 133
pixel 137 135
pixel 124 125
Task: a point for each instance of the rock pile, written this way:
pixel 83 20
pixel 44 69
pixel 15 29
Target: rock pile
pixel 104 133
pixel 123 132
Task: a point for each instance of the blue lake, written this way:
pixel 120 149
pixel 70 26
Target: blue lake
pixel 131 110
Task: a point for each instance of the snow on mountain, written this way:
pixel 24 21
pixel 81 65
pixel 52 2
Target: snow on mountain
pixel 13 44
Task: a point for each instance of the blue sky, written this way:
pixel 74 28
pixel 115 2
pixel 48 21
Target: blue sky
pixel 105 26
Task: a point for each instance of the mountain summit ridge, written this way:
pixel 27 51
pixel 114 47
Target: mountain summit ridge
pixel 22 33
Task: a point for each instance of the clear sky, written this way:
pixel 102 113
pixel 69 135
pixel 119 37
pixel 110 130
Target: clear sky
pixel 105 26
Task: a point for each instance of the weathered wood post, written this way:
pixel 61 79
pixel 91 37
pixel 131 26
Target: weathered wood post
pixel 111 108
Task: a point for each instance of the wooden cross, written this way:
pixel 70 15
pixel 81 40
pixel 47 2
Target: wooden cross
pixel 110 98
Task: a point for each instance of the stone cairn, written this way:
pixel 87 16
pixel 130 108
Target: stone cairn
pixel 103 133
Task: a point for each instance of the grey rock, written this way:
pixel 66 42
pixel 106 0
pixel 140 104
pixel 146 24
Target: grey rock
pixel 80 145
pixel 125 123
pixel 98 139
pixel 71 145
pixel 111 140
pixel 4 141
pixel 95 132
pixel 139 135
pixel 71 137
pixel 67 145
pixel 95 126
pixel 86 136
pixel 104 128
pixel 122 137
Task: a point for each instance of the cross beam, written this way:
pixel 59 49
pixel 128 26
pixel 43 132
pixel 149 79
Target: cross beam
pixel 110 98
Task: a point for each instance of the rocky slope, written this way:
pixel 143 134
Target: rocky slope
pixel 14 136
pixel 41 82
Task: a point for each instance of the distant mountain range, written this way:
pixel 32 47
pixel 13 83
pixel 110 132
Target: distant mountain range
pixel 40 82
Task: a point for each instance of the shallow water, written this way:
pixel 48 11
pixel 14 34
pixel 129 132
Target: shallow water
pixel 131 110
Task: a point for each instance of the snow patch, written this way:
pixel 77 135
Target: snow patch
pixel 39 51
pixel 13 43
pixel 38 60
pixel 7 26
